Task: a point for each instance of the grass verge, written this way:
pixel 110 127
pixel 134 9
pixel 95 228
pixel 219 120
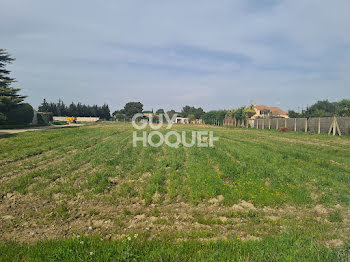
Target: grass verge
pixel 287 247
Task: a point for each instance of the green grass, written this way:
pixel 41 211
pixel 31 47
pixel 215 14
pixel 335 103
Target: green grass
pixel 287 247
pixel 255 184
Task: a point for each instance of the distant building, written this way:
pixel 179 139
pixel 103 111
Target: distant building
pixel 148 114
pixel 181 120
pixel 76 119
pixel 41 118
pixel 262 111
pixel 197 121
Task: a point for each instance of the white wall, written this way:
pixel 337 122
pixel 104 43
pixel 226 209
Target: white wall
pixel 87 119
pixel 59 118
pixel 79 119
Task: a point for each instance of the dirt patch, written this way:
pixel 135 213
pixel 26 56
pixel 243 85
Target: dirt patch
pixel 29 218
pixel 216 200
pixel 334 243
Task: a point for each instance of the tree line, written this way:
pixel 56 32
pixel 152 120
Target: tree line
pixel 77 110
pixel 324 108
pixel 218 116
pixel 132 108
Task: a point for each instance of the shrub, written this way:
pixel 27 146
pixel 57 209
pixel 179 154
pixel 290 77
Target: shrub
pixel 22 114
pixel 283 129
pixel 44 118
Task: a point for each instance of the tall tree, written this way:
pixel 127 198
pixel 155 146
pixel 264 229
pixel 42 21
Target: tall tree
pixel 293 114
pixel 133 108
pixel 44 107
pixel 186 110
pixel 214 116
pixel 9 99
pixel 105 114
pixel 171 113
pixel 160 111
pixel 320 108
pixel 197 112
pixel 343 107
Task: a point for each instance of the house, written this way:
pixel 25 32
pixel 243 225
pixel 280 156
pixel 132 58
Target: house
pixel 181 120
pixel 148 114
pixel 262 111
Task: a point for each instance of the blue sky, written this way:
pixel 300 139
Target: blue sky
pixel 167 54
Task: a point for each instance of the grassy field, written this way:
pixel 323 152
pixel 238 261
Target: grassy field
pixel 256 195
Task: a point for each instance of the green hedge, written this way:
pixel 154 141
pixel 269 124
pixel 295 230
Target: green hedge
pixel 21 115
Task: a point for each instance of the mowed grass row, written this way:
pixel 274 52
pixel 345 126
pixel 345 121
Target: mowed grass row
pixel 77 170
pixel 264 170
pixel 262 167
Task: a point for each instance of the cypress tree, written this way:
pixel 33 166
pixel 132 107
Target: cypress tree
pixel 9 99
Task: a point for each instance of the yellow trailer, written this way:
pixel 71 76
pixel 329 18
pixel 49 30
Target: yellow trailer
pixel 71 119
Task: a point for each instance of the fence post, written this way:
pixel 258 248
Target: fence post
pixel 330 128
pixel 257 123
pixel 263 124
pixel 305 124
pixel 319 126
pixel 295 124
pixel 277 124
pixel 269 123
pixel 336 122
pixel 285 122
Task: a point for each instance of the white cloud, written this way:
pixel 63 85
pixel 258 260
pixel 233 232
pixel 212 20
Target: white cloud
pixel 233 51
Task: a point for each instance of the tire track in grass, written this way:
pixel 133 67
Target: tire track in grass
pixel 100 181
pixel 41 159
pixel 284 151
pixel 174 163
pixel 31 144
pixel 81 143
pixel 94 157
pixel 202 180
pixel 272 178
pixel 155 189
pixel 272 171
pixel 76 181
pixel 183 188
pixel 290 172
pixel 50 172
pixel 276 142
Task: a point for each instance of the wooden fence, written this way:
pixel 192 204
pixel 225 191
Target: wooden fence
pixel 319 125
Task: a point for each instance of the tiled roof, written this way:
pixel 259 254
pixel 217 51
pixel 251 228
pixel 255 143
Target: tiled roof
pixel 274 110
